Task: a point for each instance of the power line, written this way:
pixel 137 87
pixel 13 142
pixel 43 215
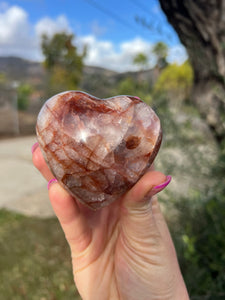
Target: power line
pixel 153 26
pixel 110 14
pixel 141 6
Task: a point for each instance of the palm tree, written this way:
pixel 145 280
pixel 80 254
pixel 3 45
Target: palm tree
pixel 141 60
pixel 160 49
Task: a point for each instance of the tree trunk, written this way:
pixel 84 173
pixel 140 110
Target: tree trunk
pixel 200 25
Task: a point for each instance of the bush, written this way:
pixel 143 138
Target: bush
pixel 129 86
pixel 197 221
pixel 175 81
pixel 23 93
pixel 199 239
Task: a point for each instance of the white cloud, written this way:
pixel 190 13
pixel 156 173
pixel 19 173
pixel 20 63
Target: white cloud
pixel 50 27
pixel 177 54
pixel 13 25
pixel 104 53
pixel 20 38
pixel 16 37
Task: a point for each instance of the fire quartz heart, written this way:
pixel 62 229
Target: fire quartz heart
pixel 97 148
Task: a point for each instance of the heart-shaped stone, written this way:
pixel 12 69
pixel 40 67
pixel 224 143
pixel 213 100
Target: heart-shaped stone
pixel 97 148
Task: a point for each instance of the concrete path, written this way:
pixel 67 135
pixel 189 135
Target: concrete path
pixel 22 188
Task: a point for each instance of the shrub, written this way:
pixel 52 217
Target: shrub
pixel 23 93
pixel 199 238
pixel 129 86
pixel 175 81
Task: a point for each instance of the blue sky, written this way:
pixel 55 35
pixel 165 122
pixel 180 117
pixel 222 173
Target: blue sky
pixel 108 28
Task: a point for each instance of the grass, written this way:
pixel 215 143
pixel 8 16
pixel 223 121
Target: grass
pixel 35 259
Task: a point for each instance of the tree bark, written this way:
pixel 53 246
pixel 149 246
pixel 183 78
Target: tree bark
pixel 200 25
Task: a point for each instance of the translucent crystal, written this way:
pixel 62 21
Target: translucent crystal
pixel 97 148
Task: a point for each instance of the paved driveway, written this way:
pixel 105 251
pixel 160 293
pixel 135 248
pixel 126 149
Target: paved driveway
pixel 22 188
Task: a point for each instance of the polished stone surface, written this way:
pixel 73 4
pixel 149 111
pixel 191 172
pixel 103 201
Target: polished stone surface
pixel 98 148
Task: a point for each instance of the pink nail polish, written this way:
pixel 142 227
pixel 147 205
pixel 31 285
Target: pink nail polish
pixel 158 188
pixel 53 180
pixel 34 147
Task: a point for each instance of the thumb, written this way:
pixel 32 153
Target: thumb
pixel 149 185
pixel 137 217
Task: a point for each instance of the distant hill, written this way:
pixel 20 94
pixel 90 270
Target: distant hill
pixel 16 68
pixel 95 79
pixel 101 82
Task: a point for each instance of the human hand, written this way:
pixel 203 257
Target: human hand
pixel 123 251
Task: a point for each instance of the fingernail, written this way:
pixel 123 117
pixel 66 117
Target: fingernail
pixel 34 147
pixel 158 188
pixel 137 97
pixel 53 180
